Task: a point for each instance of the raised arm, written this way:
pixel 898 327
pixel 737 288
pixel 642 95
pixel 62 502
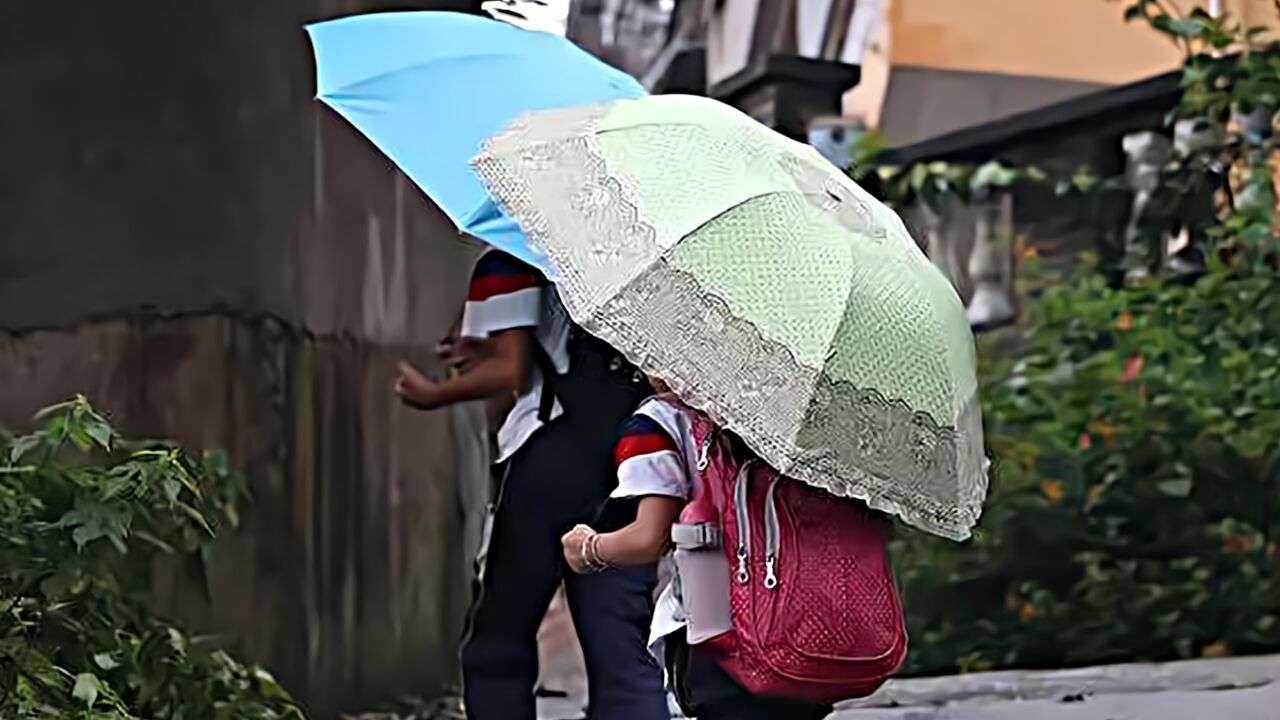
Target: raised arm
pixel 492 347
pixel 500 370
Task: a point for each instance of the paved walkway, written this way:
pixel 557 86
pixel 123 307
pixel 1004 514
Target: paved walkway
pixel 1234 688
pixel 1219 689
pixel 1231 688
pixel 1226 689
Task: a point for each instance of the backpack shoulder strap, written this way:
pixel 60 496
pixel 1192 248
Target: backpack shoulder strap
pixel 713 458
pixel 547 402
pixel 700 426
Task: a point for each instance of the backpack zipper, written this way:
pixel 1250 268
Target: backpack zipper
pixel 771 532
pixel 740 496
pixel 740 487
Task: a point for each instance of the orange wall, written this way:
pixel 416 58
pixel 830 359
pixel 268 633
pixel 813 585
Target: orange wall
pixel 1086 40
pixel 1076 39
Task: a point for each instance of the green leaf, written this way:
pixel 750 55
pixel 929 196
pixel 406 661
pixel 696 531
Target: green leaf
pixel 86 689
pixel 58 409
pixel 1163 23
pixel 918 177
pixel 196 516
pixel 993 174
pixel 172 489
pixel 98 429
pixel 1179 488
pixel 91 520
pixel 22 446
pixel 105 662
pixel 1188 27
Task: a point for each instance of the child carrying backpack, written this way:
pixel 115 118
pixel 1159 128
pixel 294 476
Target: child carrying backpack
pixel 783 600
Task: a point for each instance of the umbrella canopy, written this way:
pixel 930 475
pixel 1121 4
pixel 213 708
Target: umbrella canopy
pixel 765 287
pixel 428 87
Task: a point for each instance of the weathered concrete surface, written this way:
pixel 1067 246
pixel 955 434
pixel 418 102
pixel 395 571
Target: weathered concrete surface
pixel 348 580
pixel 208 254
pixel 1244 704
pixel 171 156
pixel 1236 688
pixel 1229 689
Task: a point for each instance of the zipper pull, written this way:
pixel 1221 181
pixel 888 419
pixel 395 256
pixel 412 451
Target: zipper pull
pixel 772 533
pixel 740 497
pixel 704 454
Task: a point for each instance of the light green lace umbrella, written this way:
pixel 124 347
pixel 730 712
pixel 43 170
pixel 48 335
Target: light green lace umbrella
pixel 764 287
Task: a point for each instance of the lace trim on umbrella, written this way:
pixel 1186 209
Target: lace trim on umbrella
pixel 582 201
pixel 850 441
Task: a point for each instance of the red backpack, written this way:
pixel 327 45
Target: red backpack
pixel 815 611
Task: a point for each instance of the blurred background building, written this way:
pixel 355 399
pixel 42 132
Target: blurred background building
pixel 926 67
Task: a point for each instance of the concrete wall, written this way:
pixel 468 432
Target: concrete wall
pixel 168 155
pixel 192 242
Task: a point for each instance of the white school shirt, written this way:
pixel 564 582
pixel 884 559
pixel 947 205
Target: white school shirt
pixel 657 455
pixel 507 294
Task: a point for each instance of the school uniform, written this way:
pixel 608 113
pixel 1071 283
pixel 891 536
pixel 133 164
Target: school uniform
pixel 555 473
pixel 656 456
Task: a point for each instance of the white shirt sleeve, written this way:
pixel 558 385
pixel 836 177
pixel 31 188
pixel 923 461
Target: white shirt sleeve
pixel 649 460
pixel 654 474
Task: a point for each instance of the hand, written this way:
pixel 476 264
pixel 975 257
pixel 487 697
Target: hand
pixel 416 390
pixel 463 353
pixel 575 549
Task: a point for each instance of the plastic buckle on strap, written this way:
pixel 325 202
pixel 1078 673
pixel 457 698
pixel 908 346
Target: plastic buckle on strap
pixel 695 537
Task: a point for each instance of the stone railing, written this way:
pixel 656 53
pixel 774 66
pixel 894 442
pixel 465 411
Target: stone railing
pixel 970 242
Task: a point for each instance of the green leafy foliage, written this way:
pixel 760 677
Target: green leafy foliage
pixel 1133 515
pixel 1134 422
pixel 930 182
pixel 1231 94
pixel 1230 97
pixel 83 516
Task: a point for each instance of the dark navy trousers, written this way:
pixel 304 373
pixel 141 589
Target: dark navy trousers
pixel 550 485
pixel 706 692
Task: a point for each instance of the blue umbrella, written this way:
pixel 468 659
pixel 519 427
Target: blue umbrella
pixel 427 88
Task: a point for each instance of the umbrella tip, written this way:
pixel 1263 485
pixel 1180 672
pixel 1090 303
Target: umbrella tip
pixel 549 16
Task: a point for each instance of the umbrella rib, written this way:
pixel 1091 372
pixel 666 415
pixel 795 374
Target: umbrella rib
pixel 737 204
pixel 349 88
pixel 663 256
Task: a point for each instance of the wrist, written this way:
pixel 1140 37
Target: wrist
pixel 592 555
pixel 429 396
